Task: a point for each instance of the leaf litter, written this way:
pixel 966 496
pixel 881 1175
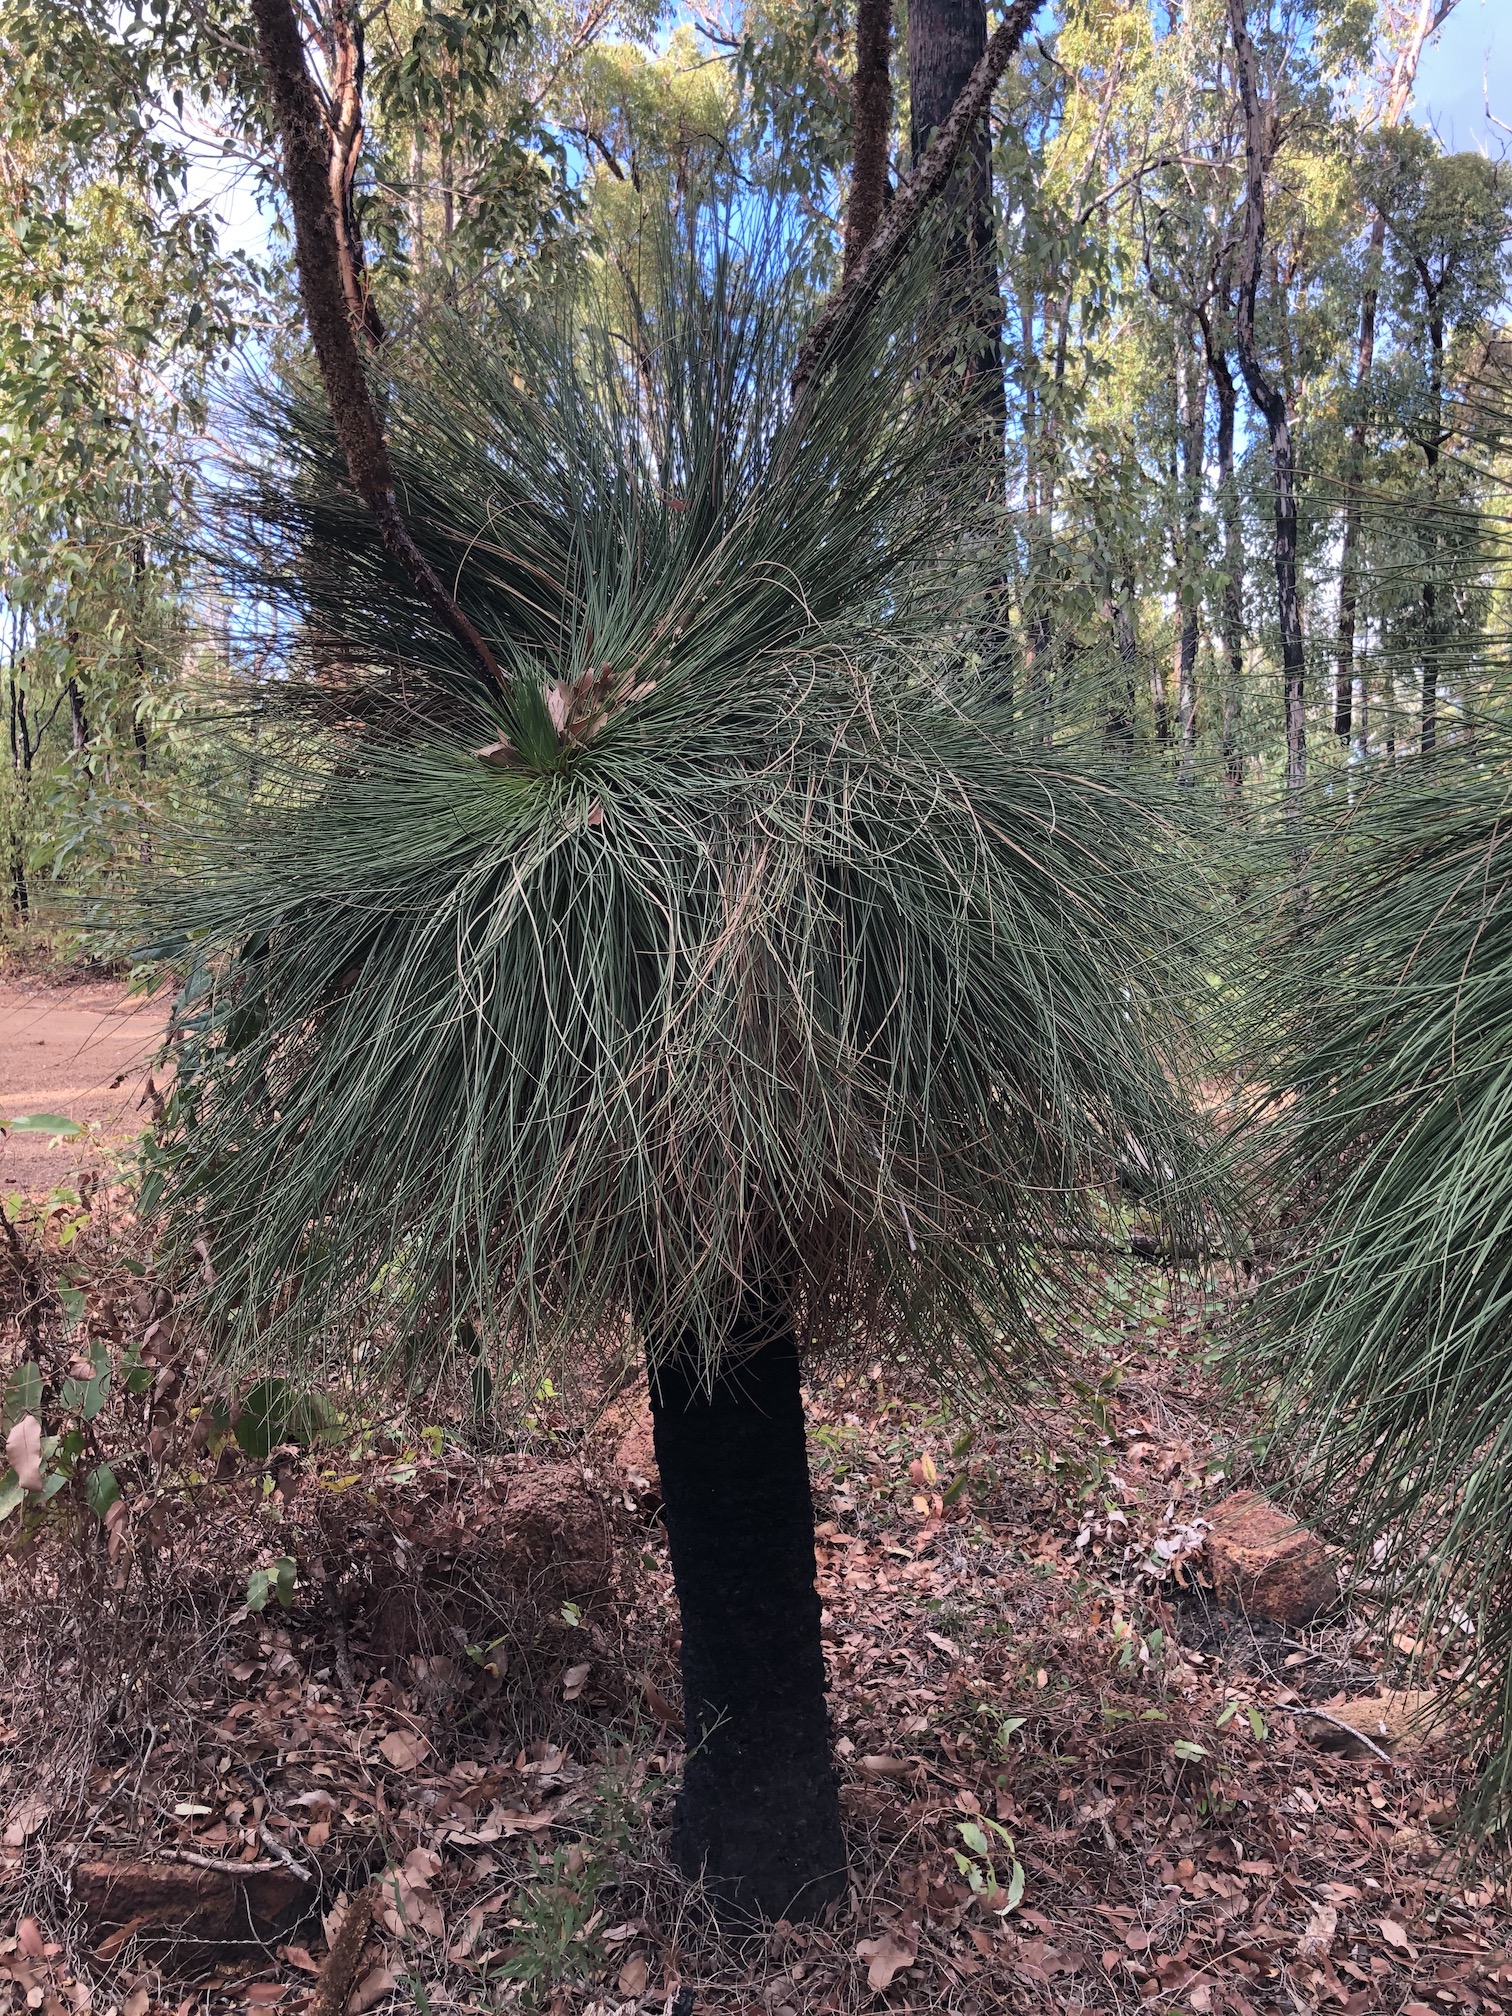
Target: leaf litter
pixel 1070 1780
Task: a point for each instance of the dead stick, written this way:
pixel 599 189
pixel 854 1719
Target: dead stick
pixel 338 1970
pixel 890 241
pixel 1322 1715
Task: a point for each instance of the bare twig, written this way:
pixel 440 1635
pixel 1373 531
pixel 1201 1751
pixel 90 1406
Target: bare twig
pixel 1322 1715
pixel 30 1280
pixel 855 294
pixel 292 1863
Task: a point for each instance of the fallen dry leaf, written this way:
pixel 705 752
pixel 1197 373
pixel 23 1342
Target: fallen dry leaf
pixel 371 1990
pixel 633 1976
pixel 1392 1933
pixel 408 1904
pixel 264 1994
pixel 405 1752
pixel 884 1958
pixel 25 1819
pixel 575 1679
pixel 136 2002
pixel 23 1451
pixel 29 1939
pixel 884 1767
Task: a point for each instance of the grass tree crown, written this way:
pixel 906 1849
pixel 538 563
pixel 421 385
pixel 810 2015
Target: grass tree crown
pixel 740 943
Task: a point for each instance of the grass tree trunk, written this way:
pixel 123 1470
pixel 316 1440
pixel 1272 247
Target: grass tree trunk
pixel 759 1816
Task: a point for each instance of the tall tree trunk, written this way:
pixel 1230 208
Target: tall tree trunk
pixel 1231 621
pixel 324 248
pixel 946 40
pixel 1261 137
pixel 21 765
pixel 1128 651
pixel 1429 16
pixel 871 98
pixel 417 200
pixel 1118 720
pixel 850 302
pixel 1191 442
pixel 1432 450
pixel 758 1816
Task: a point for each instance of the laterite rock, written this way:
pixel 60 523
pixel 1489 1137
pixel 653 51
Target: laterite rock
pixel 1264 1563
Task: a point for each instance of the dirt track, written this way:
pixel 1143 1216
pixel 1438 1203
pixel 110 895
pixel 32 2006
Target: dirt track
pixel 83 1051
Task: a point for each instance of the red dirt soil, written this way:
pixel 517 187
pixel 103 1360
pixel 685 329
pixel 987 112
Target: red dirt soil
pixel 84 1051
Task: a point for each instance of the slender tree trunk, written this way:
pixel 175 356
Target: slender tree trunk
pixel 1191 441
pixel 758 1816
pixel 1231 606
pixel 1260 141
pixel 324 249
pixel 1432 449
pixel 946 41
pixel 871 97
pixel 848 305
pixel 78 719
pixel 1118 721
pixel 417 200
pixel 1128 651
pixel 1354 465
pixel 21 764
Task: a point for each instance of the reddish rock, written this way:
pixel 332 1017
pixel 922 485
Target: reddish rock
pixel 555 1531
pixel 1264 1563
pixel 157 1901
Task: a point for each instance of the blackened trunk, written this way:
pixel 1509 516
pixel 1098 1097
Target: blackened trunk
pixel 946 38
pixel 1118 719
pixel 758 1817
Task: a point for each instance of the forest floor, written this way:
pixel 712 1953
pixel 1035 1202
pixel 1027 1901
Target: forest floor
pixel 435 1673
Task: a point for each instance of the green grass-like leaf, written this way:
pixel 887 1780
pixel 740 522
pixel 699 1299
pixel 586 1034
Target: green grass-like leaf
pixel 755 950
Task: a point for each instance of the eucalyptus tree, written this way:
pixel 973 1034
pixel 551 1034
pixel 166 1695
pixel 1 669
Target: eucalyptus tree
pixel 1420 20
pixel 117 308
pixel 1449 263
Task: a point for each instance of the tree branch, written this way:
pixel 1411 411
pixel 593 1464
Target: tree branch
pixel 308 174
pixel 859 289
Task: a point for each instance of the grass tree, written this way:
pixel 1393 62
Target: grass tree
pixel 1391 1092
pixel 722 973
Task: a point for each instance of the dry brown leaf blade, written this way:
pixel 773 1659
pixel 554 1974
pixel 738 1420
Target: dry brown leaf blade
pixel 885 1957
